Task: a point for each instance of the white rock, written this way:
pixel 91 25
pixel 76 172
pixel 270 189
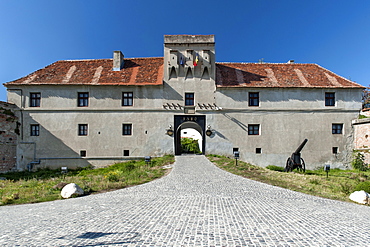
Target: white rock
pixel 70 190
pixel 360 197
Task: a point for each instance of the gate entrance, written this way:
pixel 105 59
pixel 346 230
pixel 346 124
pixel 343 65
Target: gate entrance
pixel 194 126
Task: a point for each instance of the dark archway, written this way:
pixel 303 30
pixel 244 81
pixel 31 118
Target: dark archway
pixel 189 121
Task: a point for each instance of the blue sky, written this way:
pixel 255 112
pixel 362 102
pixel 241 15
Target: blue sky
pixel 333 34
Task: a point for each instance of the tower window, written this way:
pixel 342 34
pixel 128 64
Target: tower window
pixel 189 99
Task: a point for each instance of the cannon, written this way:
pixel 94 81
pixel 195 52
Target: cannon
pixel 295 161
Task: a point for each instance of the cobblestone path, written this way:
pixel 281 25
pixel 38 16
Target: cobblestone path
pixel 197 204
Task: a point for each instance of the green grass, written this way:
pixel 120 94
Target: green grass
pixel 338 186
pixel 33 187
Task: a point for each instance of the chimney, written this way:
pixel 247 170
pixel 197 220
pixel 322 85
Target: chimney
pixel 117 60
pixel 290 62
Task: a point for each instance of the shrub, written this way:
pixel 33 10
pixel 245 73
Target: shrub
pixel 358 161
pixel 363 186
pixel 276 168
pixel 190 145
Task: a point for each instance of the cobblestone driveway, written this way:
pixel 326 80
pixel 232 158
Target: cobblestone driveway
pixel 197 204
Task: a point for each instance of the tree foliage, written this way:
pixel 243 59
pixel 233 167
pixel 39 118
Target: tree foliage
pixel 366 98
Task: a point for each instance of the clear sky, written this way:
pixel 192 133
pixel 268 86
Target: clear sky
pixel 332 33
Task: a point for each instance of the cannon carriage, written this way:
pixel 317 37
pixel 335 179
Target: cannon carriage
pixel 295 161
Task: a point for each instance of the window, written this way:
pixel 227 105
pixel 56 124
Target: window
pixel 253 129
pixel 258 150
pixel 127 98
pixel 82 129
pixel 126 152
pixel 35 130
pixel 329 99
pixel 189 99
pixel 254 99
pixel 127 129
pixel 83 99
pixel 337 128
pixel 35 99
pixel 335 150
pixel 83 153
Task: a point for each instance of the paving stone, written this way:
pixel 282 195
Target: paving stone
pixel 197 204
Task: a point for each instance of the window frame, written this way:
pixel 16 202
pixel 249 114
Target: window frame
pixel 127 98
pixel 254 99
pixel 34 130
pixel 83 129
pixel 335 130
pixel 83 97
pixel 35 99
pixel 189 99
pixel 127 131
pixel 329 98
pixel 252 130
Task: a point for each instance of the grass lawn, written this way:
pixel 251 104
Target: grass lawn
pixel 338 185
pixel 32 187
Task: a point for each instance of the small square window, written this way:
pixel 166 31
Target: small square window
pixel 126 152
pixel 335 150
pixel 254 99
pixel 258 150
pixel 337 129
pixel 83 99
pixel 189 99
pixel 35 99
pixel 235 150
pixel 126 129
pixel 253 129
pixel 82 129
pixel 127 98
pixel 35 130
pixel 83 153
pixel 329 99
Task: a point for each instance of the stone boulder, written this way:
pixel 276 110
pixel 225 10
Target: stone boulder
pixel 71 189
pixel 360 197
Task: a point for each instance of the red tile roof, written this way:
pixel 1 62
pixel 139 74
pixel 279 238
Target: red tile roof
pixel 279 75
pixel 136 71
pixel 149 71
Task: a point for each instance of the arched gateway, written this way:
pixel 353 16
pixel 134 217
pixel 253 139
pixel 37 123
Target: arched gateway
pixel 196 122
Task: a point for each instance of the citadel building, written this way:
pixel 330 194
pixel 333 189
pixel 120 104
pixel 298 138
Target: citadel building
pixel 79 112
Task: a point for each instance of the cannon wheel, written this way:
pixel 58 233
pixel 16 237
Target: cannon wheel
pixel 289 165
pixel 303 166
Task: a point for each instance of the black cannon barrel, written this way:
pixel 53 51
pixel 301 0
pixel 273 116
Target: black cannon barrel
pixel 299 149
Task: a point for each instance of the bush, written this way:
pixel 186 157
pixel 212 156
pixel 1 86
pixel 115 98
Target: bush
pixel 363 186
pixel 189 145
pixel 358 161
pixel 276 168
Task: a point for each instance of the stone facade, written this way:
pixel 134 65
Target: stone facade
pixel 8 137
pixel 362 137
pixel 76 113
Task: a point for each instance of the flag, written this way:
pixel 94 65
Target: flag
pixel 196 60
